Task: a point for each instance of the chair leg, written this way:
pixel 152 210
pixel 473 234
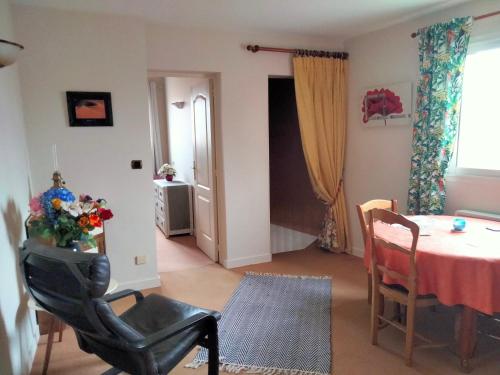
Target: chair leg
pixel 50 340
pixel 375 313
pixel 410 332
pixel 381 300
pixel 381 305
pixel 213 348
pixel 369 288
pixel 61 330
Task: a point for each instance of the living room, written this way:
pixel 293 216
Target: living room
pixel 110 47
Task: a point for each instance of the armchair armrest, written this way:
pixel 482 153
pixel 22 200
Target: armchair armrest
pixel 171 331
pixel 124 293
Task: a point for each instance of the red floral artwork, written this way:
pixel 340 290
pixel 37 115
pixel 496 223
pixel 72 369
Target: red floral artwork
pixel 383 102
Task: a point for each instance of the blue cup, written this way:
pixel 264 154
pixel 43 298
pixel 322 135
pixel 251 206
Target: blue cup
pixel 459 224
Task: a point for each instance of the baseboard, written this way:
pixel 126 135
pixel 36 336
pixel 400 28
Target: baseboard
pixel 153 282
pixel 246 261
pixel 358 252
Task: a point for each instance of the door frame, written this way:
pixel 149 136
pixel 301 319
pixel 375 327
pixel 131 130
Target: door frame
pixel 217 175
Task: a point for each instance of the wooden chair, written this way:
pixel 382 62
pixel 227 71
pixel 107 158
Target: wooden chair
pixel 364 217
pixel 405 296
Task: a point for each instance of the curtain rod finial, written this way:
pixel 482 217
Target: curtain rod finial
pixel 254 49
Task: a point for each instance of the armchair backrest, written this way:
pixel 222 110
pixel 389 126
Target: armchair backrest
pixel 71 285
pixel 66 283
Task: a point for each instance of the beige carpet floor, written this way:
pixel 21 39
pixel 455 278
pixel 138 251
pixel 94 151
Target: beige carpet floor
pixel 178 253
pixel 211 286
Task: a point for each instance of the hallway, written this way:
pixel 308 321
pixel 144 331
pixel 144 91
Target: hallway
pixel 178 253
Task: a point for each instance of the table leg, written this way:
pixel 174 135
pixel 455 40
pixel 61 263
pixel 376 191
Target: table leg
pixel 467 332
pixel 50 341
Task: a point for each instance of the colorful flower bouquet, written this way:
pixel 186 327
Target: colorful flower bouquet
pixel 57 215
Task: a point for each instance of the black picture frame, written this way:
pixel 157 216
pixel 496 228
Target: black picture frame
pixel 86 109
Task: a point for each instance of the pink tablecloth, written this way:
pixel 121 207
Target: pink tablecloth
pixel 458 268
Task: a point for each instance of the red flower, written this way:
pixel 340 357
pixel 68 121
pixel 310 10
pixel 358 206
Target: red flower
pixel 105 214
pixel 441 184
pixel 95 220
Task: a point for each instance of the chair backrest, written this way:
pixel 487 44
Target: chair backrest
pixel 71 286
pixel 66 283
pixel 389 217
pixel 364 213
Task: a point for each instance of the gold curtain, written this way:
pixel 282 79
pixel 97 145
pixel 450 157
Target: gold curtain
pixel 320 90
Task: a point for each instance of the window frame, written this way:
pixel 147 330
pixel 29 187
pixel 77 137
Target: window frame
pixel 453 169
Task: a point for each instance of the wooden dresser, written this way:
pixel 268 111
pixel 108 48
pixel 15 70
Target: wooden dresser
pixel 173 207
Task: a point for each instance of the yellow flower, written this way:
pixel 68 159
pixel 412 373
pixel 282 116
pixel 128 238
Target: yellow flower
pixel 56 203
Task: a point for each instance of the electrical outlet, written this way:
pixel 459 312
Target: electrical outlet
pixel 140 259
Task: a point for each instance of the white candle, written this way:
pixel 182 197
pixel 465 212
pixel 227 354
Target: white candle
pixel 54 157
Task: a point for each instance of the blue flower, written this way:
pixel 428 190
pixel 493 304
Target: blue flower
pixel 55 192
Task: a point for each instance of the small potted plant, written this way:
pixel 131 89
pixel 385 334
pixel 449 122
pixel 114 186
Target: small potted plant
pixel 168 171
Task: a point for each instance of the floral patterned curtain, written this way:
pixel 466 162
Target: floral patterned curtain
pixel 442 52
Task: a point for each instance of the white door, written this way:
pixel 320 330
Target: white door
pixel 204 184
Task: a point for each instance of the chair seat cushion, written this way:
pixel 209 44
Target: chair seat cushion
pixel 402 289
pixel 156 312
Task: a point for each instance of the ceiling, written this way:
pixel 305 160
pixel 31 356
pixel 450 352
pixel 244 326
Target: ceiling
pixel 326 18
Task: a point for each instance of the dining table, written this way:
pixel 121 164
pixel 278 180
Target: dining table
pixel 458 267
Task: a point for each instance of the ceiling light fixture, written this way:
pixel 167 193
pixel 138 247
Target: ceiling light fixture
pixel 179 105
pixel 8 52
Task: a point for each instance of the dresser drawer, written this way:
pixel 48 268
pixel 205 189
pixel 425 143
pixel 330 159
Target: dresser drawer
pixel 162 208
pixel 160 214
pixel 161 194
pixel 156 188
pixel 160 221
pixel 159 206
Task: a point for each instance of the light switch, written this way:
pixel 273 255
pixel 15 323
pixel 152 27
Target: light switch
pixel 136 164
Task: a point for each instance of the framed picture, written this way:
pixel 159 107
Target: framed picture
pixel 89 108
pixel 389 104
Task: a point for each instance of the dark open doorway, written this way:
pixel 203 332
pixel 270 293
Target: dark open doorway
pixel 296 213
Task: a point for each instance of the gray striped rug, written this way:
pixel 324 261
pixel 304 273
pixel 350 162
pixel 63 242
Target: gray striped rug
pixel 276 324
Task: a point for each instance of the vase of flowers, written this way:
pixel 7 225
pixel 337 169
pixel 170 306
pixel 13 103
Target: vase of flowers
pixel 57 216
pixel 168 171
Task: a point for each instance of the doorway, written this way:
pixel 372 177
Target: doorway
pixel 183 136
pixel 296 213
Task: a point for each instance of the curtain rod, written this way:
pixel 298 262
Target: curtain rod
pixel 477 18
pixel 300 52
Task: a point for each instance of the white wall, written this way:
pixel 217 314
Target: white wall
pixel 378 159
pixel 161 112
pixel 87 52
pixel 243 127
pixel 180 126
pixel 18 330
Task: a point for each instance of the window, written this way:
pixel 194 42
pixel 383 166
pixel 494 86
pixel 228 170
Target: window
pixel 478 146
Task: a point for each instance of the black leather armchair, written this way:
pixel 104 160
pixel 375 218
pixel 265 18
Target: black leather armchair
pixel 149 338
